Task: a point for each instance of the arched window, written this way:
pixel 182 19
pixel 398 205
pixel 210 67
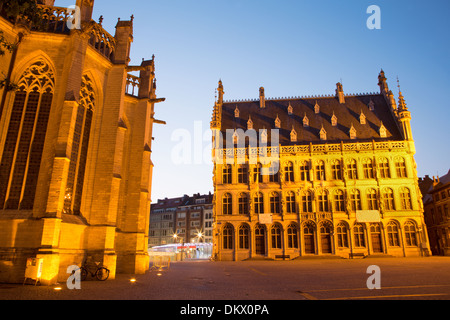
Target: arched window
pixel 257 174
pixel 322 199
pixel 405 199
pixel 393 234
pixel 358 232
pixel 292 233
pixel 289 172
pixel 227 237
pixel 307 202
pixel 388 199
pixel 355 199
pixel 352 170
pixel 368 168
pixel 24 142
pixel 227 204
pixel 336 170
pixel 400 166
pixel 243 204
pixel 372 199
pixel 276 236
pixel 304 171
pixel 290 202
pixel 383 166
pixel 342 235
pixel 80 145
pixel 320 171
pixel 227 174
pixel 339 201
pixel 411 234
pixel 244 236
pixel 275 202
pixel 259 203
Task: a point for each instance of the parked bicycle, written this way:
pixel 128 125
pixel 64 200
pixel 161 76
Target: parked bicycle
pixel 101 273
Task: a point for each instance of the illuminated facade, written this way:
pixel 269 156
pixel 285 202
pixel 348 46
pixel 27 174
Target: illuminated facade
pixel 338 177
pixel 75 146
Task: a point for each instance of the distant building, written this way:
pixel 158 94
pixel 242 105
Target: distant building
pixel 184 219
pixel 339 180
pixel 436 201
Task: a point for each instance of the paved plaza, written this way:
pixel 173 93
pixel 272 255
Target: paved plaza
pixel 304 279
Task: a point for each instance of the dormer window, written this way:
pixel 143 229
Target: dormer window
pixel 317 108
pixel 334 120
pixel 305 121
pixel 263 136
pixel 323 134
pixel 290 109
pixel 277 122
pixel 352 133
pixel 371 106
pixel 362 118
pixel 236 112
pixel 250 124
pixel 383 131
pixel 293 135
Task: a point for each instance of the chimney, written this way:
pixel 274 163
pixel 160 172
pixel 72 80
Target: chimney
pixel 340 93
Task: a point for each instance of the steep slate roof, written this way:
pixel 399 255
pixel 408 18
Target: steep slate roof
pixel 347 114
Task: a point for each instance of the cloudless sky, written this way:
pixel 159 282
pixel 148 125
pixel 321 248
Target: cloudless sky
pixel 292 48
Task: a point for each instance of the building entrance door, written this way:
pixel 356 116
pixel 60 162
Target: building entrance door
pixel 308 236
pixel 375 232
pixel 260 240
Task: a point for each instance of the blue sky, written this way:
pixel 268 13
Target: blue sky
pixel 292 48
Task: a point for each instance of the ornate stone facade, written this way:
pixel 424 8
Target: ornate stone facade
pixel 339 178
pixel 75 146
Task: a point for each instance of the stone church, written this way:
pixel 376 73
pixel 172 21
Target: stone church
pixel 75 145
pixel 339 179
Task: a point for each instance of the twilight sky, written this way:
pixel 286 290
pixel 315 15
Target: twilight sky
pixel 292 48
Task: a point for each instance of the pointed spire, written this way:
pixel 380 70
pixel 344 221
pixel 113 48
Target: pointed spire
pixel 401 99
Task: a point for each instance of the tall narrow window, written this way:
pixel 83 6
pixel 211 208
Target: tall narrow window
pixel 259 203
pixel 244 236
pixel 368 169
pixel 339 201
pixel 257 175
pixel 228 237
pixel 243 204
pixel 276 236
pixel 393 234
pixel 388 199
pixel 307 202
pixel 227 204
pixel 336 170
pixel 322 199
pixel 289 172
pixel 383 166
pixel 400 165
pixel 320 171
pixel 355 200
pixel 274 174
pixel 358 231
pixel 24 143
pixel 410 234
pixel 405 199
pixel 290 202
pixel 275 203
pixel 227 174
pixel 80 145
pixel 304 171
pixel 342 235
pixel 243 174
pixel 372 199
pixel 352 170
pixel 292 233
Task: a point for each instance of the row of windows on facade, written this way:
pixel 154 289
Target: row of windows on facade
pixel 321 201
pixel 309 230
pixel 337 171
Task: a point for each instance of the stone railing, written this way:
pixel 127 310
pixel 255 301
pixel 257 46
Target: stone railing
pixel 132 86
pixel 310 149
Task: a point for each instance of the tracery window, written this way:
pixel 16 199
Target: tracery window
pixel 393 234
pixel 290 202
pixel 360 239
pixel 400 165
pixel 227 174
pixel 304 171
pixel 259 203
pixel 368 169
pixel 372 199
pixel 275 202
pixel 227 204
pixel 307 202
pixel 289 172
pixel 24 143
pixel 276 236
pixel 292 233
pixel 388 199
pixel 244 236
pixel 227 236
pixel 243 204
pixel 80 145
pixel 411 234
pixel 339 201
pixel 355 200
pixel 352 170
pixel 342 235
pixel 336 170
pixel 383 166
pixel 405 199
